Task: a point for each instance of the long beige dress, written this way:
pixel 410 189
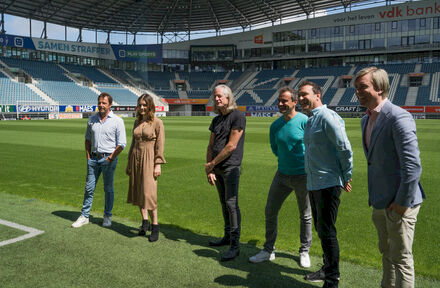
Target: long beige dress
pixel 146 150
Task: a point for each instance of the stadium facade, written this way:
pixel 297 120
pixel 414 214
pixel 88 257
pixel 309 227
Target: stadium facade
pixel 404 39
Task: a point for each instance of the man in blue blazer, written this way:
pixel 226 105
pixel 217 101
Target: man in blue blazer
pixel 390 145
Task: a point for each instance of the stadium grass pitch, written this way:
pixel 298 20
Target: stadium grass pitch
pixel 45 160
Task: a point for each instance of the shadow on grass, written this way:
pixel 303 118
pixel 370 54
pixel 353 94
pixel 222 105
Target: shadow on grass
pixel 266 274
pixel 120 228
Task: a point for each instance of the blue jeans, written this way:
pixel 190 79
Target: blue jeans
pixel 282 186
pixel 95 167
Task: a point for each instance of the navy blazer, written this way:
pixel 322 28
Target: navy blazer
pixel 393 160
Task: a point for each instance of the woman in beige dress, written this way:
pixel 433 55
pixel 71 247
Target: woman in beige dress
pixel 144 160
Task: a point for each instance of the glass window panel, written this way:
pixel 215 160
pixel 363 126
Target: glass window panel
pixel 352 29
pixel 351 45
pixel 394 41
pixel 422 39
pixel 378 43
pixel 337 46
pixel 436 22
pixel 412 25
pixel 368 29
pixel 378 27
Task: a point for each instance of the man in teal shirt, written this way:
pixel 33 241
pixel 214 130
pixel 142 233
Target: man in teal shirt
pixel 286 141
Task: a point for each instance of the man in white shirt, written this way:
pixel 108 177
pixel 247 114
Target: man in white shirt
pixel 104 140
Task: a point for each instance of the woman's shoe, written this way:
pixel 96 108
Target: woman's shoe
pixel 144 228
pixel 154 233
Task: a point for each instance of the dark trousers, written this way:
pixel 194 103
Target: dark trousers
pixel 227 187
pixel 325 203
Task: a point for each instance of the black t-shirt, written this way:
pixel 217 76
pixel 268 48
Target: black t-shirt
pixel 221 126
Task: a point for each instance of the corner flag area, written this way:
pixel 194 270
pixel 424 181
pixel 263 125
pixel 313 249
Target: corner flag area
pixel 31 232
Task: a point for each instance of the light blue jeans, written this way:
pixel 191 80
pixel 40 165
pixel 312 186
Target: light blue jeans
pixel 95 167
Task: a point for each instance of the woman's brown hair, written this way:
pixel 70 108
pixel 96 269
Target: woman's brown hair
pixel 151 107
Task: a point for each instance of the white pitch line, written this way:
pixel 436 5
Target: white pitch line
pixel 32 232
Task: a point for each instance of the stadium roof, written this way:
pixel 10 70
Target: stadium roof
pixel 163 15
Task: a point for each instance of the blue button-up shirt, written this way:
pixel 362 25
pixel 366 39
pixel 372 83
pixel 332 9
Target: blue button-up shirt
pixel 328 157
pixel 107 135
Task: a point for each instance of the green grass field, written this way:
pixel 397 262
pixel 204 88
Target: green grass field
pixel 45 160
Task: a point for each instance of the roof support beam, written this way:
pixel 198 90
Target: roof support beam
pixel 2 24
pixel 8 6
pixel 80 38
pixel 44 32
pixel 58 9
pixel 274 13
pixel 189 20
pixel 213 15
pixel 246 20
pixel 141 15
pixel 163 23
pixel 306 6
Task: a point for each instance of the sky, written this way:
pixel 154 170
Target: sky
pixel 20 26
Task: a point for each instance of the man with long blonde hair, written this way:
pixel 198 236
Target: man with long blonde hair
pixel 223 160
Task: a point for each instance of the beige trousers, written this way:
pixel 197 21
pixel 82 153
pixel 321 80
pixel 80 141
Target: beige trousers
pixel 396 235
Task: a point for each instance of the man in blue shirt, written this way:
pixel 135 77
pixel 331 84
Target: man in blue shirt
pixel 286 141
pixel 105 139
pixel 328 165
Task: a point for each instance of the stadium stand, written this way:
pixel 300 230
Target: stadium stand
pixel 12 92
pixel 327 71
pixel 400 96
pixel 121 95
pixel 199 94
pixel 37 69
pixel 248 97
pixel 68 93
pixel 349 98
pixel 92 74
pixel 52 81
pixel 60 86
pixel 202 80
pixel 157 80
pixel 267 79
pixel 172 94
pixel 328 95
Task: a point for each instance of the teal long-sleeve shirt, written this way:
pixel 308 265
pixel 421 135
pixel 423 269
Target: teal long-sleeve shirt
pixel 286 141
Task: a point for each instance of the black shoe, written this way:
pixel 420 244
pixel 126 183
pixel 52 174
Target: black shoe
pixel 144 228
pixel 222 242
pixel 154 233
pixel 317 276
pixel 230 254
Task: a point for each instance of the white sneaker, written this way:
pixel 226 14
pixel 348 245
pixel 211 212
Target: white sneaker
pixel 263 255
pixel 80 222
pixel 304 260
pixel 107 221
